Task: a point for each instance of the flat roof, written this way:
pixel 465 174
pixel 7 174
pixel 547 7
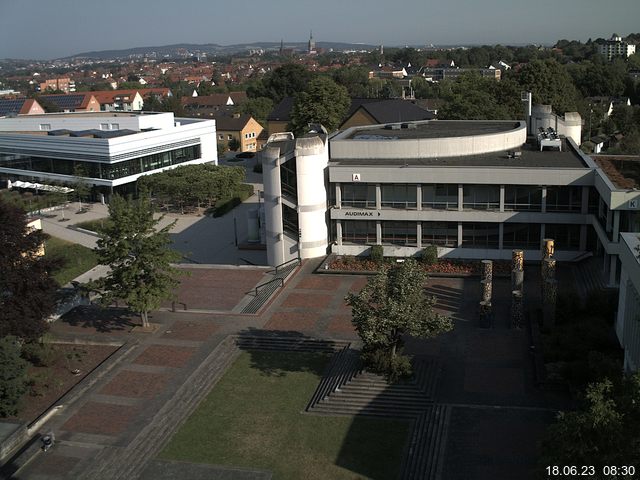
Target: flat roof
pixel 89 114
pixel 432 129
pixel 530 157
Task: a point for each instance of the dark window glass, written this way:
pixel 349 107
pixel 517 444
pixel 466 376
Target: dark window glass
pixel 440 196
pixel 480 235
pixel 360 232
pixel 358 195
pixel 401 233
pixel 444 234
pixel 522 198
pixel 481 197
pixel 521 235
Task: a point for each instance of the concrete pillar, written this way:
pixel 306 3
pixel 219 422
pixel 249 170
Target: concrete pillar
pixel 460 196
pixel 501 201
pixel 378 232
pixel 338 195
pixel 609 220
pixel 419 197
pixel 583 238
pixel 339 232
pixel 459 234
pixel 419 234
pixel 613 267
pixel 378 196
pixel 500 235
pixel 544 199
pixel 584 205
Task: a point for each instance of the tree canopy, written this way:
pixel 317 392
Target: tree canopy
pixel 323 101
pixel 392 304
pixel 193 185
pixel 138 255
pixel 603 431
pixel 550 84
pixel 27 288
pixel 284 81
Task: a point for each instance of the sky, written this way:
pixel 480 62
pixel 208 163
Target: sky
pixel 45 29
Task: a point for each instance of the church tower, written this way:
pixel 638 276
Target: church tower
pixel 312 44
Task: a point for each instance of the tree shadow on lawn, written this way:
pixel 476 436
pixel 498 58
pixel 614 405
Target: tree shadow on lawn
pixel 267 349
pixel 102 320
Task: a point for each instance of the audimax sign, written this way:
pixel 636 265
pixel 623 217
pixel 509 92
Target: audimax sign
pixel 360 214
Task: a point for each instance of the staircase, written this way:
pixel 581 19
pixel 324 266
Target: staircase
pixel 364 393
pixel 288 343
pixel 264 291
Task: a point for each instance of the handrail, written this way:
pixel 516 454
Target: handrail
pixel 281 280
pixel 287 262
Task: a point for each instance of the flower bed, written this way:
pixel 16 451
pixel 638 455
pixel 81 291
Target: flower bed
pixel 348 263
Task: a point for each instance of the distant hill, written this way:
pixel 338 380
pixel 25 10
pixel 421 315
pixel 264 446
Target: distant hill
pixel 179 49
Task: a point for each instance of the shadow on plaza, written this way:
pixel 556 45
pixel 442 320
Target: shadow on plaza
pixel 103 320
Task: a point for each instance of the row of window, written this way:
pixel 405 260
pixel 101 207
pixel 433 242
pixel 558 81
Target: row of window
pixel 107 171
pixel 475 197
pixel 474 235
pixel 250 135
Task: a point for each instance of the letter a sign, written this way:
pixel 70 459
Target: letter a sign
pixel 355 177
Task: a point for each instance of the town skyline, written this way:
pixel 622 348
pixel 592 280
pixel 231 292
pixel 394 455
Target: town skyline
pixel 453 24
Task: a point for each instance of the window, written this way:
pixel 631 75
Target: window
pixel 567 237
pixel 115 126
pixel 288 178
pixel 521 235
pixel 399 233
pixel 481 197
pixel 104 126
pixel 564 199
pixel 290 221
pixel 440 197
pixel 360 232
pixel 45 126
pixel 444 234
pixel 522 198
pixel 229 137
pixel 399 195
pixel 220 136
pixel 358 195
pixel 480 235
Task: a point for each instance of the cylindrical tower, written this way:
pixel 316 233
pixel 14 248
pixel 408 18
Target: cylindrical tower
pixel 272 205
pixel 312 158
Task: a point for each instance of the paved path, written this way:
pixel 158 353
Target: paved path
pixel 496 414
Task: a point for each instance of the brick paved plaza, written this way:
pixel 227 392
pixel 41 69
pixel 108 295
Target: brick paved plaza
pixel 482 369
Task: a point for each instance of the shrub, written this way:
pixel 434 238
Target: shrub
pixel 429 255
pixel 38 354
pixel 12 376
pixel 225 205
pixel 377 253
pixel 393 368
pixel 602 303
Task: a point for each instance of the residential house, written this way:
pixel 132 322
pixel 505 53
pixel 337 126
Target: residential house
pixel 20 106
pixel 243 128
pixel 371 111
pixel 66 85
pixel 74 102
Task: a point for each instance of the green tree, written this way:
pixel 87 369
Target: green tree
pixel 323 101
pixel 234 144
pixel 550 84
pixel 27 288
pixel 284 81
pixel 354 78
pixel 392 304
pixel 139 257
pixel 259 108
pixel 80 185
pixel 603 431
pixel 13 370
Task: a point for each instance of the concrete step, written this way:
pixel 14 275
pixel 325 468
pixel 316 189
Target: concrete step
pixel 368 410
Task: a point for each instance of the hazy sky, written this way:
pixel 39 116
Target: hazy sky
pixel 48 29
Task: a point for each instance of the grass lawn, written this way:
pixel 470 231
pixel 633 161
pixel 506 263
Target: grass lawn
pixel 78 259
pixel 93 225
pixel 253 419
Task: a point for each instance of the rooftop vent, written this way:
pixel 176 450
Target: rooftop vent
pixel 393 126
pixel 409 126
